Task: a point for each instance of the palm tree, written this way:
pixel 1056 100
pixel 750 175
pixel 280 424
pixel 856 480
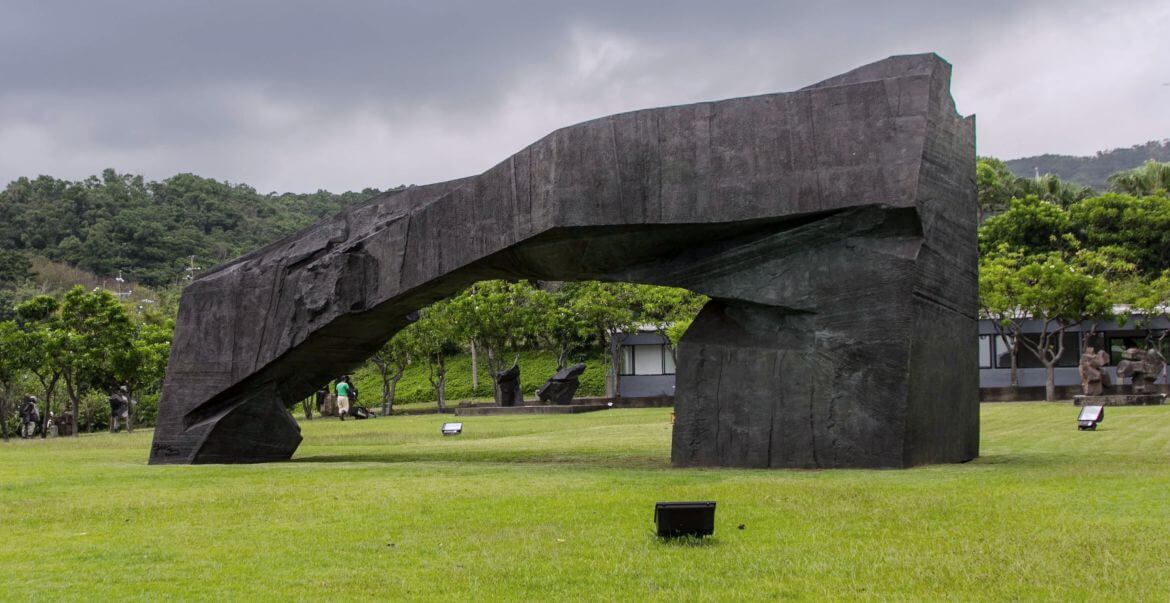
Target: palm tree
pixel 1152 178
pixel 1063 193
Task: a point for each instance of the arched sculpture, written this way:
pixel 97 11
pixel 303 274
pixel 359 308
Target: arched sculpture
pixel 833 228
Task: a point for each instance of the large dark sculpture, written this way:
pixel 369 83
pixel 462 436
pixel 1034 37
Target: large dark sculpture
pixel 559 389
pixel 833 228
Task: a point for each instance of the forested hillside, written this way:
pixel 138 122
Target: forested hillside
pixel 1091 171
pixel 150 230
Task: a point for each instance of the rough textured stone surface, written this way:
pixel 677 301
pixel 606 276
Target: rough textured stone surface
pixel 559 389
pixel 509 383
pixel 1142 369
pixel 833 228
pixel 1120 400
pixel 1094 378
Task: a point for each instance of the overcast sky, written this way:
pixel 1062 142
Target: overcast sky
pixel 291 95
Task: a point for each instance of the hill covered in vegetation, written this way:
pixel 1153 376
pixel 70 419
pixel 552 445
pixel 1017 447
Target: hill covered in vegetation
pixel 152 232
pixel 1091 171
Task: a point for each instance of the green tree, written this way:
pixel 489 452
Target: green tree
pixel 1134 228
pixel 558 327
pixel 391 361
pixel 1030 225
pixel 1061 193
pixel 1051 291
pixel 15 268
pixel 1151 179
pixel 41 345
pixel 142 364
pixel 10 370
pixel 498 317
pixel 997 185
pixel 433 336
pixel 606 310
pixel 98 338
pixel 669 310
pixel 1000 293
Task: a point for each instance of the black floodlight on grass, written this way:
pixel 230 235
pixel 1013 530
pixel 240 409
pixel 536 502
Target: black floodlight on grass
pixel 685 518
pixel 1089 417
pixel 452 428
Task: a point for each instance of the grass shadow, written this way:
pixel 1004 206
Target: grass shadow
pixel 567 460
pixel 688 542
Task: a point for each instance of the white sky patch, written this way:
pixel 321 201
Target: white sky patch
pixel 1070 83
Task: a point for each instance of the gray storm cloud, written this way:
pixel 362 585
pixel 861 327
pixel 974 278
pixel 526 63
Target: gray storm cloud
pixel 288 95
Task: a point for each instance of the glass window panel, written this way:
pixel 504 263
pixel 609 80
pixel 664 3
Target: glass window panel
pixel 985 351
pixel 647 359
pixel 627 359
pixel 668 361
pixel 1118 345
pixel 1027 359
pixel 1003 352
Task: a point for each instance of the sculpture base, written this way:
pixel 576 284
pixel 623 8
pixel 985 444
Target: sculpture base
pixel 567 409
pixel 1120 400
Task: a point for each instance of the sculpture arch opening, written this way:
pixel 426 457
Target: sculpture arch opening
pixel 833 229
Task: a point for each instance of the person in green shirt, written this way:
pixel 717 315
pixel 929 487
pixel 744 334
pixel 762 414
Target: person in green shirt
pixel 342 398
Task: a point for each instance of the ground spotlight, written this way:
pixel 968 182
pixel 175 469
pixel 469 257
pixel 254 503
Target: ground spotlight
pixel 1089 417
pixel 685 518
pixel 452 428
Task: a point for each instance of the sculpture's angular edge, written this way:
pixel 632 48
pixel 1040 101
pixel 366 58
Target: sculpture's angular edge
pixel 833 227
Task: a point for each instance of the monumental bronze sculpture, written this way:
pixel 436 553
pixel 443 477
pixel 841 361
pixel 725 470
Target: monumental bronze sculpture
pixel 832 227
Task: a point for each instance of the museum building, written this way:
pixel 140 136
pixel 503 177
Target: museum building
pixel 1113 336
pixel 647 362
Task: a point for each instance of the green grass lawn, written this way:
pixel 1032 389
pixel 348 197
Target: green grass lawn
pixel 559 507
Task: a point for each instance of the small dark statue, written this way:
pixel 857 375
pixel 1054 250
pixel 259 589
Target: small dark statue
pixel 120 409
pixel 1094 378
pixel 509 384
pixel 561 387
pixel 1143 368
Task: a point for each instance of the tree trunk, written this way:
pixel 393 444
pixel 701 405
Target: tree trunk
pixel 1050 381
pixel 562 352
pixel 439 380
pixel 494 367
pixel 1014 382
pixel 383 373
pixel 4 416
pixel 129 410
pixel 615 365
pixel 474 369
pixel 388 397
pixel 48 390
pixel 74 396
pixel 307 403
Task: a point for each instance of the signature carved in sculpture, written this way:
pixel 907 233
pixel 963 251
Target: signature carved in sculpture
pixel 833 228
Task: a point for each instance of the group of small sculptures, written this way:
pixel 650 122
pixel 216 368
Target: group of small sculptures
pixel 558 390
pixel 1141 368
